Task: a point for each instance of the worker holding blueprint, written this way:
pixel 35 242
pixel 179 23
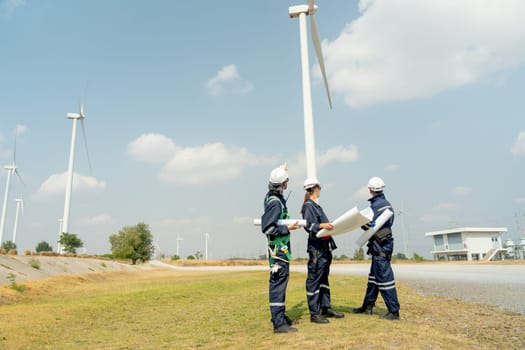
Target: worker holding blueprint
pixel 380 246
pixel 320 255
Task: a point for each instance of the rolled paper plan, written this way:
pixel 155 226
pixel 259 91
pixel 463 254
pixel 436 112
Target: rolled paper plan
pixel 380 222
pixel 348 222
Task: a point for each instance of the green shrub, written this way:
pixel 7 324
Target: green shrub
pixel 15 286
pixel 35 264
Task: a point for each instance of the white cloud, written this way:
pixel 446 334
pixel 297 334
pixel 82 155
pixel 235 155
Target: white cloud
pixel 463 190
pixel 203 164
pixel 152 148
pixel 95 220
pixel 337 154
pixel 519 146
pixel 403 49
pixel 209 163
pixel 228 80
pixel 392 167
pixel 55 185
pixel 8 7
pixel 21 129
pixel 362 194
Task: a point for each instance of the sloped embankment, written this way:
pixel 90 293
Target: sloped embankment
pixel 25 268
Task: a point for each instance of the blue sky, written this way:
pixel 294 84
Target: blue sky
pixel 190 106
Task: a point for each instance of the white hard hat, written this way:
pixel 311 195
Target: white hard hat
pixel 278 176
pixel 311 183
pixel 376 184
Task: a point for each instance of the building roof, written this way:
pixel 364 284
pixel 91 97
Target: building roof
pixel 468 229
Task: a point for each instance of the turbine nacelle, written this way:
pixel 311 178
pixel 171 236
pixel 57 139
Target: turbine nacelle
pixel 75 116
pixel 295 11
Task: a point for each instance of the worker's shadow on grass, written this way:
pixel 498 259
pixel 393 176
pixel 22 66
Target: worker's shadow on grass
pixel 297 311
pixel 345 309
pixel 349 309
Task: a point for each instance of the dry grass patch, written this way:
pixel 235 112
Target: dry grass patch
pixel 172 309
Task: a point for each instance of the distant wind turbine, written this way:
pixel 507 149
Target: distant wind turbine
pixel 10 170
pixel 405 243
pixel 178 245
pixel 207 237
pixel 302 11
pixel 19 204
pixel 60 224
pixel 69 185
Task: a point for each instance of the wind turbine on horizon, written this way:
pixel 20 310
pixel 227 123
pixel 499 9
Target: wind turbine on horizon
pixel 206 237
pixel 69 184
pixel 178 245
pixel 10 170
pixel 19 204
pixel 301 11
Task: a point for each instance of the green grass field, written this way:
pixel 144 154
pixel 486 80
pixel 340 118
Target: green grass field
pixel 168 309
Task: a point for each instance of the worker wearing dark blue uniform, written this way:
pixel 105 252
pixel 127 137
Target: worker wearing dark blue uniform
pixel 279 253
pixel 380 246
pixel 320 255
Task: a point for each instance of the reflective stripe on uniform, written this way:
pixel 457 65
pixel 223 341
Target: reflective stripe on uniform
pixel 385 283
pixel 381 283
pixel 277 304
pixel 312 293
pixel 324 286
pixel 387 288
pixel 385 207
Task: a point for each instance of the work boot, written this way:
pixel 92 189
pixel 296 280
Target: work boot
pixel 364 310
pixel 289 321
pixel 318 319
pixel 391 316
pixel 329 312
pixel 284 329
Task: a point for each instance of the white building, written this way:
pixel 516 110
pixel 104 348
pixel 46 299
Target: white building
pixel 468 243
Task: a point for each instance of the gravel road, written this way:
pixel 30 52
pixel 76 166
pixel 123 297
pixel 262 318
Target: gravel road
pixel 499 285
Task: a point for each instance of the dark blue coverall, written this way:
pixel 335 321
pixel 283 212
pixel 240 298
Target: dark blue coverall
pixel 320 258
pixel 381 277
pixel 279 253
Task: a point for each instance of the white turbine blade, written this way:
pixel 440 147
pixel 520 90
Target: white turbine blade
pixel 14 148
pixel 311 6
pixel 319 53
pixel 22 206
pixel 85 143
pixel 19 177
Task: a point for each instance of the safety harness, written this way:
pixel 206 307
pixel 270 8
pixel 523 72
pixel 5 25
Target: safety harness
pixel 279 243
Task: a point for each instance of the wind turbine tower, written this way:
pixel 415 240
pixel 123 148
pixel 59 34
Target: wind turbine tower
pixel 69 184
pixel 178 245
pixel 10 170
pixel 19 204
pixel 301 11
pixel 207 237
pixel 60 224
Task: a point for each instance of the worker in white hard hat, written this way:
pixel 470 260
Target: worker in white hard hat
pixel 319 255
pixel 279 250
pixel 380 246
